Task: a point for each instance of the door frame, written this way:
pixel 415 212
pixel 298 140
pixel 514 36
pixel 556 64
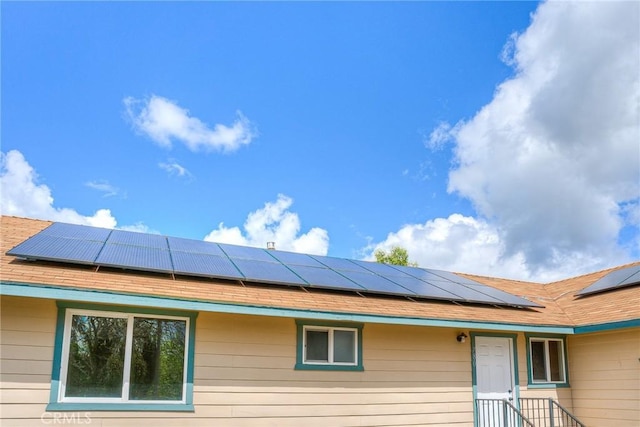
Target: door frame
pixel 514 367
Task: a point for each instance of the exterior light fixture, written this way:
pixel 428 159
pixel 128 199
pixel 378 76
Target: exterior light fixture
pixel 462 337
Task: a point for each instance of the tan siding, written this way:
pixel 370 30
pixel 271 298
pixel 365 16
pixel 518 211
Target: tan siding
pixel 250 372
pixel 605 377
pixel 245 376
pixel 27 333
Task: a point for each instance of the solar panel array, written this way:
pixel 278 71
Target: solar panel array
pixel 79 244
pixel 616 279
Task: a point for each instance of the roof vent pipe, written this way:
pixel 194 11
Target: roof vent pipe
pixel 271 246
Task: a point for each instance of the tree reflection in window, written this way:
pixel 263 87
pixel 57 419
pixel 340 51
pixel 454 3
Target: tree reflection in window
pixel 157 362
pixel 96 356
pixel 125 357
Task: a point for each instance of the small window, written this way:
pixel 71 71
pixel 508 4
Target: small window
pixel 337 347
pixel 547 361
pixel 111 358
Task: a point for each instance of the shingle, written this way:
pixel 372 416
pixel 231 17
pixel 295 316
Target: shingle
pixel 562 308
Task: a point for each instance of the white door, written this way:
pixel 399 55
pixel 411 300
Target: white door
pixel 494 379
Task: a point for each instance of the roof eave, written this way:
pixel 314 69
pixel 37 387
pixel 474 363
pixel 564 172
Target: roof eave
pixel 30 290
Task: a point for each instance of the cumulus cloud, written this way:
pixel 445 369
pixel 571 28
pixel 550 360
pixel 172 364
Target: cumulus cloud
pixel 552 163
pixel 174 168
pixel 274 223
pixel 165 121
pixel 23 196
pixel 472 245
pixel 456 243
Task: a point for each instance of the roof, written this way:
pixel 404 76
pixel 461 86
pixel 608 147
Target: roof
pixel 561 307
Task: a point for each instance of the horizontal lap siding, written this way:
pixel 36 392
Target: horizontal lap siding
pixel 605 378
pixel 245 376
pixel 27 335
pixel 413 376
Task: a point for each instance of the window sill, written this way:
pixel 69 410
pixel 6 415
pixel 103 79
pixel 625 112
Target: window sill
pixel 548 385
pixel 149 407
pixel 311 367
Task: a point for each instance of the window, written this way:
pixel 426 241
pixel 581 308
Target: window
pixel 547 361
pixel 329 346
pixel 108 359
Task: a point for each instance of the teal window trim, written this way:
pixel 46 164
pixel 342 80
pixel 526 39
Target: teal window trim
pixel 474 379
pixel 54 405
pixel 301 365
pixel 128 407
pixel 547 384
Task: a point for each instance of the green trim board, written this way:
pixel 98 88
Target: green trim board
pixel 302 366
pixel 137 300
pixel 560 384
pixel 128 407
pixel 602 327
pixel 55 405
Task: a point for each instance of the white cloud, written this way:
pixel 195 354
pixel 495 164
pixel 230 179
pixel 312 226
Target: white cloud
pixel 163 120
pixel 274 223
pixel 23 196
pixel 552 163
pixel 139 228
pixel 103 186
pixel 174 168
pixel 466 244
pixel 440 135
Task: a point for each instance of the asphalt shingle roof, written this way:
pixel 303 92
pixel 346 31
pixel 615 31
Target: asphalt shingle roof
pixel 561 306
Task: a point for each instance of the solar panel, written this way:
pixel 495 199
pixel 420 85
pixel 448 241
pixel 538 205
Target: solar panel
pixel 177 244
pixel 419 273
pixel 325 278
pixel 424 289
pixel 292 258
pixel 50 248
pixel 73 231
pixel 121 237
pixel 455 277
pixel 150 252
pixel 199 264
pixel 268 272
pixel 631 280
pixel 135 257
pixel 245 252
pixel 464 292
pixel 380 268
pixel 501 295
pixel 616 279
pixel 338 263
pixel 374 283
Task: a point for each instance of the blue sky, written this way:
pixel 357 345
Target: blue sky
pixel 496 138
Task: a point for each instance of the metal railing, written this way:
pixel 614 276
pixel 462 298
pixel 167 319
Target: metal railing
pixel 500 413
pixel 546 412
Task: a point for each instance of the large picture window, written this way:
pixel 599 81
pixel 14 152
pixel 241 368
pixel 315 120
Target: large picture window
pixel 547 361
pixel 324 346
pixel 112 357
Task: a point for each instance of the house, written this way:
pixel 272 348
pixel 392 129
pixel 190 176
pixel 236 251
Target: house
pixel 132 340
